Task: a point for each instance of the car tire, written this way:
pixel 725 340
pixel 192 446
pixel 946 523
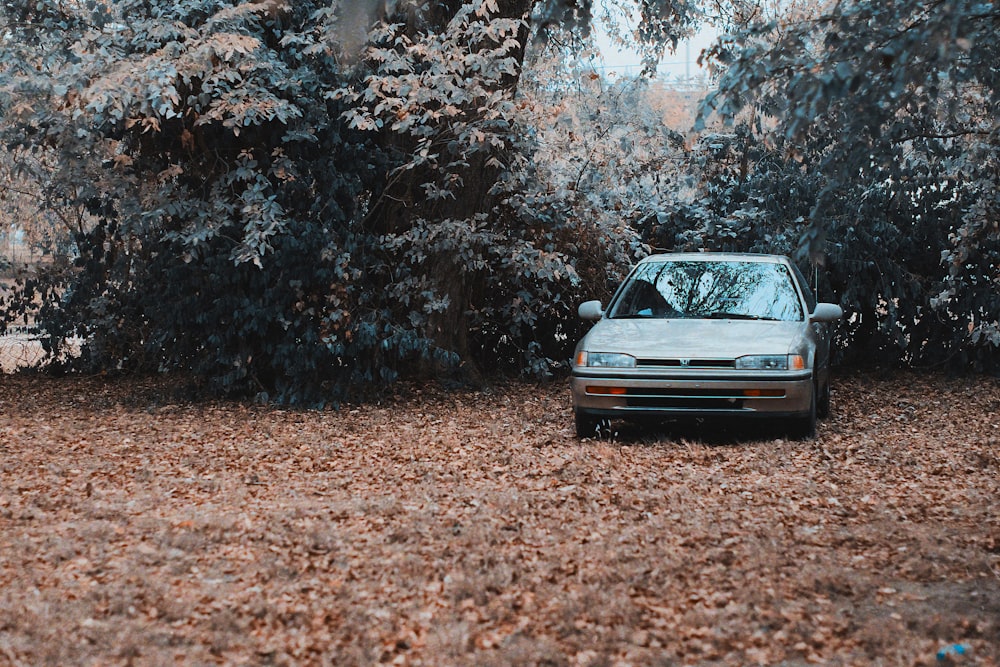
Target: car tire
pixel 804 428
pixel 823 404
pixel 590 426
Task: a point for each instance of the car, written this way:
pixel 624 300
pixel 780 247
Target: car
pixel 706 335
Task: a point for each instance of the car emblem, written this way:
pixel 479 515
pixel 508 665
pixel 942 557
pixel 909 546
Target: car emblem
pixel 685 362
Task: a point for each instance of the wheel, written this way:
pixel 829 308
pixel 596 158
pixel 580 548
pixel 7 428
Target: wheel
pixel 590 426
pixel 823 404
pixel 585 424
pixel 804 428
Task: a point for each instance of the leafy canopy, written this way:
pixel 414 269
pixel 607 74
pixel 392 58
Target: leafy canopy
pixel 305 201
pixel 890 109
pixel 255 195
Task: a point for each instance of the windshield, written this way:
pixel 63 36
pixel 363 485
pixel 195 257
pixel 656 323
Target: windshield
pixel 709 289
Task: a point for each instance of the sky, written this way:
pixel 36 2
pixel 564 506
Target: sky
pixel 679 67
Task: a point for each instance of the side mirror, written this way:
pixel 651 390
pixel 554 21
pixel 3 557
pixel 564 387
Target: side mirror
pixel 590 310
pixel 826 312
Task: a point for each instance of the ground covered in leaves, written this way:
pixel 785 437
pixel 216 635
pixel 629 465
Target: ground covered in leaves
pixel 474 529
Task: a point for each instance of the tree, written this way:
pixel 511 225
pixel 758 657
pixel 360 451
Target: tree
pixel 892 106
pixel 281 217
pixel 448 101
pixel 203 149
pixel 305 201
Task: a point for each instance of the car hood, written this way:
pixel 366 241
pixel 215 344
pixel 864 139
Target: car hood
pixel 694 339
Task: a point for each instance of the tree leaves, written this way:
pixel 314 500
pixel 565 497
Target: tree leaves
pixel 439 207
pixel 887 105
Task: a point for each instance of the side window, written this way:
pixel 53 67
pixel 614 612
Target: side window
pixel 806 291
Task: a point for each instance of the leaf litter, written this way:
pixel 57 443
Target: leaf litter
pixel 472 528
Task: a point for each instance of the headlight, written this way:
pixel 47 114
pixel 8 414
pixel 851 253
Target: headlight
pixel 771 362
pixel 605 360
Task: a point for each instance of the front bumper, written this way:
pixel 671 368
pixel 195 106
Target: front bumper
pixel 626 395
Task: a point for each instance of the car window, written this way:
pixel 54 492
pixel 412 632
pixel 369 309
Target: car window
pixel 709 289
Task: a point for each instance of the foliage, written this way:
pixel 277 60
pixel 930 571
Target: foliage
pixel 221 188
pixel 892 107
pixel 306 201
pixel 602 157
pixel 251 203
pixel 483 266
pixel 882 257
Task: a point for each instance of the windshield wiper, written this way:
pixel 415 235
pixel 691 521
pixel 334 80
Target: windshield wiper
pixel 736 316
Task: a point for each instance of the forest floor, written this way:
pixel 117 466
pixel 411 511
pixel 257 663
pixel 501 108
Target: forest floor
pixel 472 528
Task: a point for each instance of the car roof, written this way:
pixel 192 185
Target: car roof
pixel 716 257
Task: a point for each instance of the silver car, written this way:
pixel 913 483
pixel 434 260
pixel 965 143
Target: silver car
pixel 704 334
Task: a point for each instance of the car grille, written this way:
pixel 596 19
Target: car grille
pixel 687 363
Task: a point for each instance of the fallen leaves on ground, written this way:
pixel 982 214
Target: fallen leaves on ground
pixel 472 528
